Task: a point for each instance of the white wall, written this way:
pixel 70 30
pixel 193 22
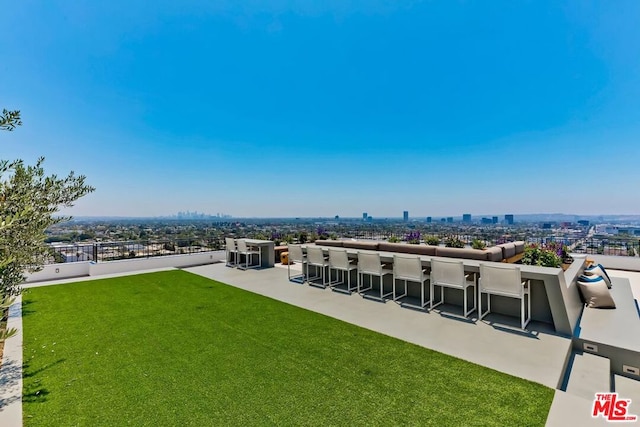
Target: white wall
pixel 124 265
pixel 86 268
pixel 60 271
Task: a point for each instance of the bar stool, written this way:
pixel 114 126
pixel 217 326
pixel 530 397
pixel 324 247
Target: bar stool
pixel 244 249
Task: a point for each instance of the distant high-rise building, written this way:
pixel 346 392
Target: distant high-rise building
pixel 443 219
pixel 364 216
pixel 466 217
pixel 486 220
pixel 546 226
pixel 429 219
pixel 508 219
pixel 583 222
pixel 337 217
pixel 405 216
pixel 494 219
pixel 449 219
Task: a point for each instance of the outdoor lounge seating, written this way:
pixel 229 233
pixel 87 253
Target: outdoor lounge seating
pixel 316 259
pixel 504 281
pixel 613 333
pixel 369 264
pixel 409 269
pixel 340 262
pixel 512 252
pixel 498 253
pixel 296 255
pixel 248 252
pixel 450 274
pixel 231 252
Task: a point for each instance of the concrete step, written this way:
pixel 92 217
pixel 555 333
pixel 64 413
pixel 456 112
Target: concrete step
pixel 570 410
pixel 590 374
pixel 628 388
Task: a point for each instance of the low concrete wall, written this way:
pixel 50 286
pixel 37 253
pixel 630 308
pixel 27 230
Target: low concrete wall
pixel 88 268
pixel 570 294
pixel 126 265
pixel 60 271
pixel 626 263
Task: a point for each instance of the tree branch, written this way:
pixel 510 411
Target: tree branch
pixel 9 120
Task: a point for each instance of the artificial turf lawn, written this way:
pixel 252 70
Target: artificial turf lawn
pixel 174 348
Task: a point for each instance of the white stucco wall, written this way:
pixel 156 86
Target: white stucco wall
pixel 125 265
pixel 60 271
pixel 87 268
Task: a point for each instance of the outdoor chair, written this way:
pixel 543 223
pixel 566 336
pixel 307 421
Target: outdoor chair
pixel 409 269
pixel 450 274
pixel 369 264
pixel 248 252
pixel 506 282
pixel 316 258
pixel 340 262
pixel 231 251
pixel 296 255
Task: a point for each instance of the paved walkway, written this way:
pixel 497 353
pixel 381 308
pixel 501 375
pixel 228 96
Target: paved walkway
pixel 11 371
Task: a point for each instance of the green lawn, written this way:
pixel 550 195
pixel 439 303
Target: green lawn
pixel 173 348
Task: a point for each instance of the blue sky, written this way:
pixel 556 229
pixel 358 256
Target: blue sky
pixel 306 108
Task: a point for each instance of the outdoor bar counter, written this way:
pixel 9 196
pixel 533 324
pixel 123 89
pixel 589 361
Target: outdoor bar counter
pixel 554 296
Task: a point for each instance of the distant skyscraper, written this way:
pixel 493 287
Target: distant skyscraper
pixel 429 219
pixel 466 217
pixel 508 219
pixel 583 222
pixel 485 220
pixel 364 216
pixel 405 216
pixel 494 219
pixel 449 219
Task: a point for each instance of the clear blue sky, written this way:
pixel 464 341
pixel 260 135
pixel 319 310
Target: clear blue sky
pixel 305 108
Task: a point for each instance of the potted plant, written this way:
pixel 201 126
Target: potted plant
pixel 413 237
pixel 541 256
pixel 478 244
pixel 432 240
pixel 453 242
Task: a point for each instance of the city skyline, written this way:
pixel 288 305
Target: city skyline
pixel 301 109
pixel 500 219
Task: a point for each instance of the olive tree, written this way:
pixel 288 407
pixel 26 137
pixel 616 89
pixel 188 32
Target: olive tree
pixel 29 200
pixel 9 120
